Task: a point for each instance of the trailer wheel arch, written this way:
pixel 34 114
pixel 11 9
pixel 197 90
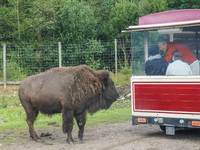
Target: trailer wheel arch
pixel 163 128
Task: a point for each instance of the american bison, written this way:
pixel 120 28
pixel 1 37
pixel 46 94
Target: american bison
pixel 71 91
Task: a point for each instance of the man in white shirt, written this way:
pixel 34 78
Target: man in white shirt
pixel 178 67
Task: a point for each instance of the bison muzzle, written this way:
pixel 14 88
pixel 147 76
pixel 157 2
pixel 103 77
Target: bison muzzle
pixel 72 91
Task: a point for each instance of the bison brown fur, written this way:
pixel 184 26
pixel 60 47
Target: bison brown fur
pixel 71 91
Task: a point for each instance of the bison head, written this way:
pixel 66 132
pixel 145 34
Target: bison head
pixel 109 93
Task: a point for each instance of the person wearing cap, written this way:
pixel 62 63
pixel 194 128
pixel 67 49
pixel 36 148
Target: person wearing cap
pixel 178 67
pixel 187 56
pixel 155 65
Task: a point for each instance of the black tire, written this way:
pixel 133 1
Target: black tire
pixel 163 128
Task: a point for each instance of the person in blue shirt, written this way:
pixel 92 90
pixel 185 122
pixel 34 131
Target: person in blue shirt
pixel 155 65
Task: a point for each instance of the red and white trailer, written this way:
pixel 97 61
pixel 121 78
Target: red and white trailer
pixel 168 101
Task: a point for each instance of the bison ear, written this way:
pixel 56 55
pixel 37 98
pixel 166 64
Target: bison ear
pixel 103 75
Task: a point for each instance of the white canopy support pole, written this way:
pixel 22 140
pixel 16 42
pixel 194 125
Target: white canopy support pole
pixel 171 37
pixel 146 45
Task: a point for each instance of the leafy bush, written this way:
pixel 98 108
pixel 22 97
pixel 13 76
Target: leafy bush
pixel 123 76
pixel 14 72
pixel 91 53
pixel 95 50
pixel 126 70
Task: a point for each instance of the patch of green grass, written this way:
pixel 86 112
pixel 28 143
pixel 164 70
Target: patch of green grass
pixel 121 78
pixel 14 119
pixel 12 138
pixel 109 116
pixel 9 101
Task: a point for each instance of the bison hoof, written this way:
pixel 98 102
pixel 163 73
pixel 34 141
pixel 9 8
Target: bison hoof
pixel 80 137
pixel 69 141
pixel 36 139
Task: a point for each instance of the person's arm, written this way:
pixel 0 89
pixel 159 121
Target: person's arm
pixel 171 47
pixel 169 54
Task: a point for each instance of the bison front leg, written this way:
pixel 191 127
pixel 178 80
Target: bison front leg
pixel 81 120
pixel 68 124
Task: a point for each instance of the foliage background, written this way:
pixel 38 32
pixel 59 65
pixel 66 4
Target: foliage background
pixel 39 21
pixel 32 29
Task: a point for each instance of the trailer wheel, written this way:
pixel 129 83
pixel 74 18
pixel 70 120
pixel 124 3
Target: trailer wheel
pixel 163 128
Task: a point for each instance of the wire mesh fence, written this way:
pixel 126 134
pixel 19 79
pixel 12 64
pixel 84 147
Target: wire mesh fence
pixel 23 60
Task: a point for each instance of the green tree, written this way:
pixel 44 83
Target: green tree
pixel 101 9
pixel 13 12
pixel 147 7
pixel 4 3
pixel 7 24
pixel 183 4
pixel 121 16
pixel 77 22
pixel 43 19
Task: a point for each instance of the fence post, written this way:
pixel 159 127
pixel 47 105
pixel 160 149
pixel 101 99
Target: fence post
pixel 60 54
pixel 116 60
pixel 4 65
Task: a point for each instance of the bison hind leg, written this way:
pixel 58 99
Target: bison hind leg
pixel 31 115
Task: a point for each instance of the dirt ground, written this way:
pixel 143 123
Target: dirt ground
pixel 117 136
pixel 107 136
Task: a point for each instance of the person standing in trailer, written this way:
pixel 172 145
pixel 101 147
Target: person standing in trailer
pixel 187 56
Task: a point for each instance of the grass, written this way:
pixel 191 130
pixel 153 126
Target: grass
pixel 118 115
pixel 123 77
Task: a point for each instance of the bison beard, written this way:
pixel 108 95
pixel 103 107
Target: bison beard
pixel 71 91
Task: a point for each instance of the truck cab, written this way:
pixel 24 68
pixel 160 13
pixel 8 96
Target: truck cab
pixel 168 101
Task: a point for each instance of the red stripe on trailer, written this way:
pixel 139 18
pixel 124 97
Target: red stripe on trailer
pixel 169 97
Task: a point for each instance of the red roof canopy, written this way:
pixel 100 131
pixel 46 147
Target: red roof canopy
pixel 169 19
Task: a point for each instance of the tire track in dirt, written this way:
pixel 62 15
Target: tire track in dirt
pixel 123 143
